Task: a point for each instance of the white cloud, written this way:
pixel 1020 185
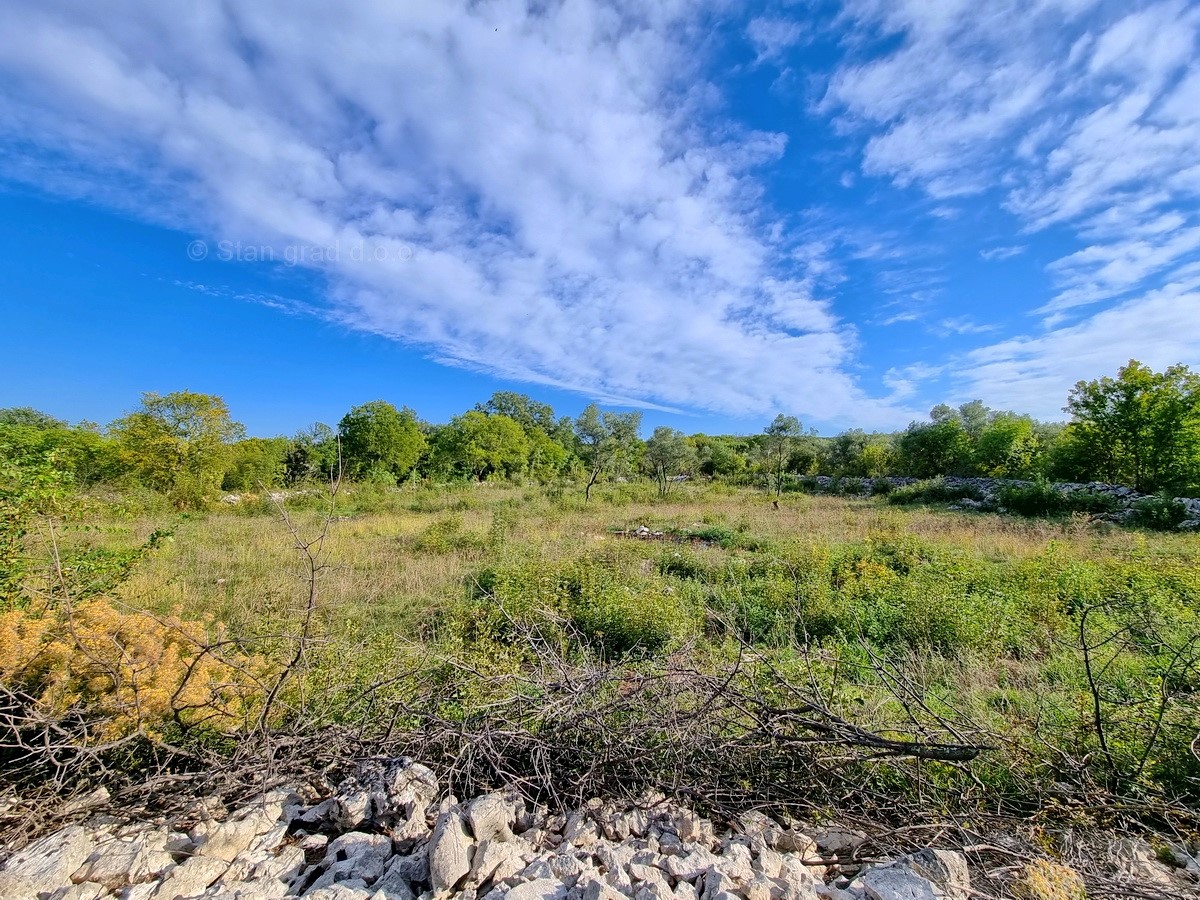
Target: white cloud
pixel 772 37
pixel 1076 115
pixel 992 254
pixel 961 325
pixel 573 220
pixel 1034 373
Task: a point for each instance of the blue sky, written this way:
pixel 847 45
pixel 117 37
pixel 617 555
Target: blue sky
pixel 712 211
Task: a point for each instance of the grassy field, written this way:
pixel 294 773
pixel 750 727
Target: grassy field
pixel 1070 650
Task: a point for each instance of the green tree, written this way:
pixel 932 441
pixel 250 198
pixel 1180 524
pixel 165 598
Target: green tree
pixel 719 455
pixel 314 452
pixel 1008 447
pixel 380 441
pixel 256 463
pixel 939 447
pixel 28 417
pixel 1142 427
pixel 780 439
pixel 605 440
pixel 178 443
pixel 485 444
pixel 668 454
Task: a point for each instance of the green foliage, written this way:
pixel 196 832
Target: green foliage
pixel 28 417
pixel 1160 512
pixel 178 443
pixel 380 440
pixel 933 490
pixel 446 535
pixel 609 605
pixel 256 463
pixel 1140 428
pixel 1041 498
pixel 778 443
pixel 485 444
pixel 28 490
pixel 941 447
pixel 1007 447
pixel 606 442
pixel 668 454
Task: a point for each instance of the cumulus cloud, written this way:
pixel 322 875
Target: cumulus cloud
pixel 573 216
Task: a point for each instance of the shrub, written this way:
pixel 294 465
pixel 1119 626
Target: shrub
pixel 1037 499
pixel 114 673
pixel 446 535
pixel 1046 880
pixel 881 487
pixel 934 490
pixel 1159 512
pixel 1043 499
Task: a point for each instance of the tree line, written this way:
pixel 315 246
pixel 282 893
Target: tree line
pixel 1139 427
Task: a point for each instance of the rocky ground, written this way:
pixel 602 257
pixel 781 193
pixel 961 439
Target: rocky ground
pixel 385 835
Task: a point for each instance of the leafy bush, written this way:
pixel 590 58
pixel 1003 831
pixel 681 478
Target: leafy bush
pixel 612 608
pixel 881 487
pixel 934 490
pixel 446 535
pixel 1037 499
pixel 1159 512
pixel 1043 499
pixel 112 673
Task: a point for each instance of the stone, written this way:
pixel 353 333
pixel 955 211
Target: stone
pixel 897 882
pixel 121 861
pixel 581 830
pixel 839 841
pixel 692 829
pixel 46 865
pixel 191 878
pixel 567 868
pixel 692 866
pixel 449 852
pixel 392 883
pixel 313 843
pixel 87 890
pixel 537 870
pixel 497 860
pixel 737 863
pixel 598 890
pixel 945 868
pixel 769 863
pixel 490 818
pixel 540 889
pixel 1137 859
pixel 225 840
pixel 654 890
pixel 340 892
pixel 790 840
pixel 413 868
pixel 268 874
pixel 391 792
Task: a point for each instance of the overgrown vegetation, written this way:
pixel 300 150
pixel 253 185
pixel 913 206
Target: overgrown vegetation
pixel 665 630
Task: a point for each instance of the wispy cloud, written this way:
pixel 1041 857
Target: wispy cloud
pixel 1074 115
pixel 574 221
pixel 772 37
pixel 992 254
pixel 961 325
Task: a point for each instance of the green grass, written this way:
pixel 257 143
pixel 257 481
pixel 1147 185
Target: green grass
pixel 986 616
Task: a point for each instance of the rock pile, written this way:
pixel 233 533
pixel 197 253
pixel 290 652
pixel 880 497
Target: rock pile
pixel 383 835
